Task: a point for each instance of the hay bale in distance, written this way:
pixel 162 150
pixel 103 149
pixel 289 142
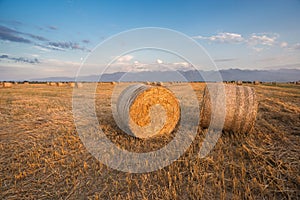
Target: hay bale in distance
pixel 71 84
pixel 256 82
pixel 159 84
pixel 241 108
pixel 7 84
pixel 145 111
pixel 52 84
pixel 78 85
pixel 59 84
pixel 239 82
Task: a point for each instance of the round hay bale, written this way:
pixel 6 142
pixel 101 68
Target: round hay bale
pixel 239 82
pixel 7 84
pixel 241 108
pixel 52 84
pixel 145 111
pixel 256 82
pixel 113 83
pixel 59 84
pixel 297 82
pixel 78 85
pixel 159 84
pixel 72 84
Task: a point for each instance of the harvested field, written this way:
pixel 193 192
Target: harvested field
pixel 42 156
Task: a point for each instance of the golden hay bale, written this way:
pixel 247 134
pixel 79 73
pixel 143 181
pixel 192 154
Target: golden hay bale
pixel 71 84
pixel 145 111
pixel 256 82
pixel 26 83
pixel 298 83
pixel 7 85
pixel 59 84
pixel 78 85
pixel 241 107
pixel 239 82
pixel 113 83
pixel 52 84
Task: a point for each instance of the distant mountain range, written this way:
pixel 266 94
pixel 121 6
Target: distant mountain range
pixel 280 75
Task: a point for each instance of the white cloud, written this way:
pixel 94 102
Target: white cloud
pixel 256 40
pixel 223 37
pixel 296 46
pixel 41 48
pixel 284 44
pixel 125 58
pixel 257 49
pixel 159 61
pixel 263 39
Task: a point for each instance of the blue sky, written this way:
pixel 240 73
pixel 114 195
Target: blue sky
pixel 52 38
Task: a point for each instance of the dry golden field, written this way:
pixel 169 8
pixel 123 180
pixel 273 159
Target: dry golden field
pixel 42 156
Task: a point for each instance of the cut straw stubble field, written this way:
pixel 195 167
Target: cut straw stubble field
pixel 42 156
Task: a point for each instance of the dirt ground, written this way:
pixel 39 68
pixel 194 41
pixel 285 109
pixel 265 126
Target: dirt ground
pixel 42 156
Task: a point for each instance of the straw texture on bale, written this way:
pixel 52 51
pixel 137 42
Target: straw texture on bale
pixel 52 84
pixel 241 108
pixel 59 84
pixel 78 85
pixel 72 84
pixel 145 111
pixel 256 82
pixel 7 85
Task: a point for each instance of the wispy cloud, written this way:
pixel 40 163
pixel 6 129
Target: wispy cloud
pixel 296 46
pixel 263 39
pixel 257 41
pixel 52 27
pixel 225 59
pixel 9 34
pixel 66 45
pixel 20 59
pixel 223 37
pixel 124 59
pixel 86 41
pixel 11 22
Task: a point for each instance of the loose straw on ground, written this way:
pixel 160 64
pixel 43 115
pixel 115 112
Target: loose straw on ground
pixel 145 111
